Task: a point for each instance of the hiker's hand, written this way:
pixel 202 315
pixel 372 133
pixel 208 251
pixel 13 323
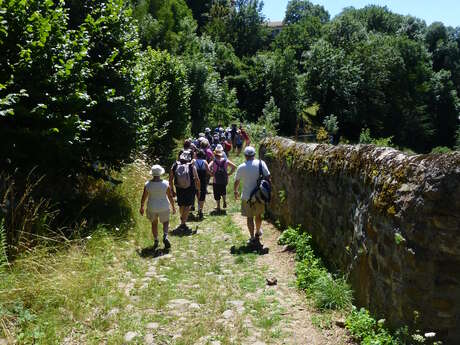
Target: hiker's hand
pixel 141 211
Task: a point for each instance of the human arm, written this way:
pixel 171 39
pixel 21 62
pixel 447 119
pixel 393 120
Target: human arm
pixel 208 168
pixel 232 167
pixel 143 198
pixel 169 194
pixel 196 178
pixel 236 189
pixel 211 168
pixel 171 182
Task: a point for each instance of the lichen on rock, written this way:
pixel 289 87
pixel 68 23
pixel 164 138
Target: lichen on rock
pixel 389 220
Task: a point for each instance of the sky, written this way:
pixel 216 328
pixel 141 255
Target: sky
pixel 446 11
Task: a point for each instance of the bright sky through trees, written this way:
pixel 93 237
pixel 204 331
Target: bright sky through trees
pixel 446 11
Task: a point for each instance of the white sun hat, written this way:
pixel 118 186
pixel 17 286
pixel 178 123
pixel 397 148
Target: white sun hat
pixel 249 151
pixel 157 170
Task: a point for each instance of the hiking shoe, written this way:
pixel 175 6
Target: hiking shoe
pixel 259 234
pixel 166 243
pixel 155 245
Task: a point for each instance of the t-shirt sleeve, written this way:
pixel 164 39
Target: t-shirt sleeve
pixel 238 174
pixel 265 170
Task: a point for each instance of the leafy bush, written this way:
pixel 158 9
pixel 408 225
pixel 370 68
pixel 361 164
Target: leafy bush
pixel 289 237
pixel 365 328
pixel 366 138
pixel 331 124
pixel 163 101
pixel 66 85
pixel 308 272
pixel 441 149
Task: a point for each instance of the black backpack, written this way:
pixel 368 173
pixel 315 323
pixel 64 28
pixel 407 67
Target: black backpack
pixel 263 192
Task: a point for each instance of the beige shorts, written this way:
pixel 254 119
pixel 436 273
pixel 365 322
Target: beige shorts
pixel 252 209
pixel 162 215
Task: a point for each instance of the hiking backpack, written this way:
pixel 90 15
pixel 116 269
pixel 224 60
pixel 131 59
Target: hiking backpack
pixel 262 193
pixel 220 175
pixel 182 175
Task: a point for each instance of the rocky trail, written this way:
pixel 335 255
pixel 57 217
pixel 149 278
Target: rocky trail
pixel 199 293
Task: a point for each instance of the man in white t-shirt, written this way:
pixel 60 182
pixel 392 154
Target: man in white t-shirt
pixel 248 174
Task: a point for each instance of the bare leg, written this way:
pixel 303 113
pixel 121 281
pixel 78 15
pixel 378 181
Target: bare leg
pixel 258 223
pixel 218 204
pixel 200 206
pixel 184 211
pixel 165 230
pixel 155 229
pixel 224 198
pixel 250 222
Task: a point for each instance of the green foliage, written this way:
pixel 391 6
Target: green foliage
pixel 3 245
pixel 289 237
pixel 457 141
pixel 331 124
pixel 399 239
pixel 366 138
pixel 331 293
pixel 441 149
pixel 270 118
pixel 328 292
pixel 161 22
pixel 298 10
pixel 367 330
pixel 66 93
pixel 163 101
pixel 239 24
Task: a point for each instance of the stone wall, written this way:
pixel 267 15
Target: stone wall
pixel 388 220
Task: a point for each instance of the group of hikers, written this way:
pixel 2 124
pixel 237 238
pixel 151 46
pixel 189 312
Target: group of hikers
pixel 201 161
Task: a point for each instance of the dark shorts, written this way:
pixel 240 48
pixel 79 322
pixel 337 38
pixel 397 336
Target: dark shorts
pixel 219 190
pixel 185 197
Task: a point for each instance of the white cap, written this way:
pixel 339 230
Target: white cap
pixel 249 151
pixel 219 147
pixel 207 130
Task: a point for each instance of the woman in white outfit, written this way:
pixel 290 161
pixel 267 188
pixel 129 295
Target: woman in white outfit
pixel 159 201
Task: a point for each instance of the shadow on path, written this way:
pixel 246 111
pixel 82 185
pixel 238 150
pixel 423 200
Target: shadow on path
pixel 150 252
pixel 248 249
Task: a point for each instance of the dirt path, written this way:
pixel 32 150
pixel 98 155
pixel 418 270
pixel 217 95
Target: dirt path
pixel 201 294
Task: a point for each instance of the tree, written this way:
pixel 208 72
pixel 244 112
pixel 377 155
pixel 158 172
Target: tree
pixel 66 94
pixel 163 96
pixel 161 22
pixel 240 24
pixel 283 87
pixel 299 36
pixel 298 10
pixel 200 10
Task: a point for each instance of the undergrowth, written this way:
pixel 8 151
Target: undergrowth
pixel 331 292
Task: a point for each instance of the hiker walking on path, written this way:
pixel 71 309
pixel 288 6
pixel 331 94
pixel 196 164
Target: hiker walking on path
pixel 249 173
pixel 203 170
pixel 219 170
pixel 184 176
pixel 245 136
pixel 160 199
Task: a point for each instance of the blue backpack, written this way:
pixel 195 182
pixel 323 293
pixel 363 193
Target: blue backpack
pixel 263 192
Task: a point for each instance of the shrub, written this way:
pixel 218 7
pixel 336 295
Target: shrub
pixel 308 271
pixel 366 138
pixel 441 149
pixel 331 293
pixel 289 237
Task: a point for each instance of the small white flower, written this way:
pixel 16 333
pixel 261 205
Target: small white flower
pixel 430 335
pixel 88 237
